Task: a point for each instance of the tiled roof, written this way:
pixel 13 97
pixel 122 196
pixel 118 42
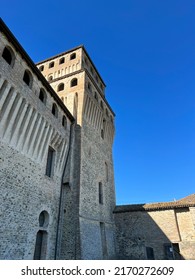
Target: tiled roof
pixel 188 201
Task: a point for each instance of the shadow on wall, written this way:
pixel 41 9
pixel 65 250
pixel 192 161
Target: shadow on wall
pixel 142 234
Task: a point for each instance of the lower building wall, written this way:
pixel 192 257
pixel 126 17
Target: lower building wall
pixel 97 240
pixel 145 235
pixel 23 196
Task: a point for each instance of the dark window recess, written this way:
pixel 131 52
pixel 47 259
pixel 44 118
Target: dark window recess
pixel 74 82
pixel 95 95
pixel 62 60
pixel 61 87
pixel 27 78
pixel 73 56
pixel 103 129
pixel 41 219
pixel 172 251
pixel 7 55
pixel 150 253
pixel 41 68
pixel 100 193
pixel 168 252
pixel 50 162
pixel 42 96
pixel 64 122
pixel 38 246
pixel 89 86
pixel 54 110
pixel 176 251
pixel 51 64
pixel 41 245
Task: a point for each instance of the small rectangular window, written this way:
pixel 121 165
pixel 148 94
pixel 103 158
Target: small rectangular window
pixel 50 162
pixel 168 251
pixel 150 253
pixel 172 251
pixel 51 64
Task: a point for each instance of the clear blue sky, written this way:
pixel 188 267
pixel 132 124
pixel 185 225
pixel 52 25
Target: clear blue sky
pixel 145 52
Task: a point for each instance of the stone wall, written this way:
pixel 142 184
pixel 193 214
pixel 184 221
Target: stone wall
pixel 137 230
pixel 28 128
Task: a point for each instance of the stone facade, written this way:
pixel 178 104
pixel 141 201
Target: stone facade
pixel 156 231
pixel 57 183
pixel 57 194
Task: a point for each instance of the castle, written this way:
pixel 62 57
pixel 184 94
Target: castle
pixel 57 194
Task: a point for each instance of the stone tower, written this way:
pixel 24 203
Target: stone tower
pixel 88 198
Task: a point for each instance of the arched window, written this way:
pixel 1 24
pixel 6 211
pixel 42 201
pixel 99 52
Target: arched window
pixel 54 110
pixel 43 219
pixel 51 64
pixel 27 78
pixel 73 56
pixel 41 238
pixel 8 55
pixel 60 87
pixel 64 122
pixel 50 78
pixel 41 68
pixel 42 95
pixel 62 60
pixel 73 82
pixel 107 114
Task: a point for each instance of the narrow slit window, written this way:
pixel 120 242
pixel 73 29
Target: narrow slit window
pixel 100 193
pixel 41 245
pixel 103 129
pixel 50 162
pixel 106 171
pixel 64 122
